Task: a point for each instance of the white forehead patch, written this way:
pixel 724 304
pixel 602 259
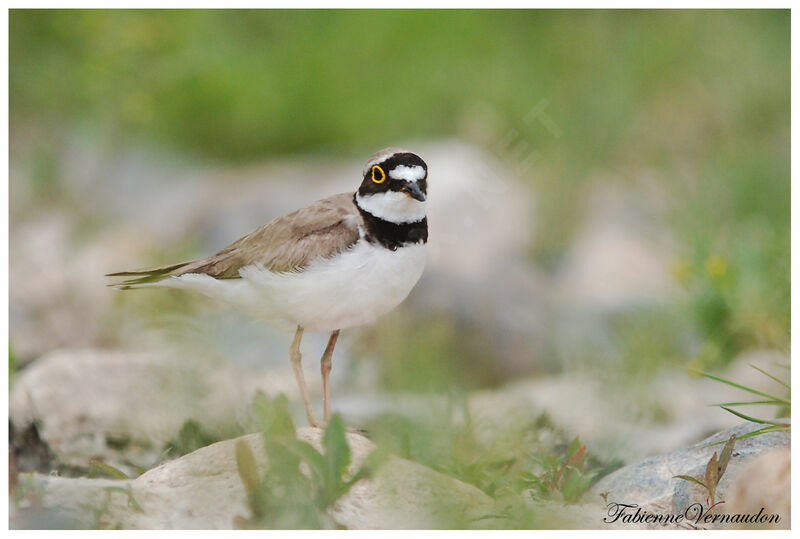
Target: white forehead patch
pixel 410 174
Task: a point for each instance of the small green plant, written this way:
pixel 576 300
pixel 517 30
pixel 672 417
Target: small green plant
pixel 516 467
pixel 98 467
pixel 300 483
pixel 714 471
pixel 563 476
pixel 101 512
pixel 191 437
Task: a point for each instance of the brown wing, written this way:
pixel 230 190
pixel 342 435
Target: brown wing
pixel 287 243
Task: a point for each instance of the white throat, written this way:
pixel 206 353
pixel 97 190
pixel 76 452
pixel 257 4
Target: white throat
pixel 393 206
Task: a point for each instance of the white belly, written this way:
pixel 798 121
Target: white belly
pixel 351 289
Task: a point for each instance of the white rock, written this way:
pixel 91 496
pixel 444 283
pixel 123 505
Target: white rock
pixel 763 482
pixel 81 398
pixel 203 490
pixel 621 255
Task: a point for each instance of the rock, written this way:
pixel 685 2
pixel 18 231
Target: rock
pixel 44 307
pixel 102 207
pixel 405 495
pixel 651 484
pixel 764 482
pixel 122 407
pixel 481 224
pixel 642 421
pixel 203 490
pixel 621 256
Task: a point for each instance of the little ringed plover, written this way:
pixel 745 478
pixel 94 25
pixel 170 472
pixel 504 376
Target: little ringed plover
pixel 338 263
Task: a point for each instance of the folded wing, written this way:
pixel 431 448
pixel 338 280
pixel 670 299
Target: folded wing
pixel 288 243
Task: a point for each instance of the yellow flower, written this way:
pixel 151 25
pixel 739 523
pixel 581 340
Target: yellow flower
pixel 716 266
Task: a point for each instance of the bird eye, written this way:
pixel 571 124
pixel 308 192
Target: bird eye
pixel 378 175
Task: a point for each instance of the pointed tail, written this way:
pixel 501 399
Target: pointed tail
pixel 145 276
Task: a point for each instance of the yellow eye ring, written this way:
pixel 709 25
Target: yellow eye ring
pixel 378 175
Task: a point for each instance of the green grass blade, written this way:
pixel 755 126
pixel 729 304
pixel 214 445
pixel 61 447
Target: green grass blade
pixel 107 469
pixel 692 479
pixel 763 430
pixel 246 466
pixel 725 456
pixel 770 428
pixel 765 373
pixel 316 461
pixel 740 386
pixel 337 457
pixel 754 419
pixel 748 403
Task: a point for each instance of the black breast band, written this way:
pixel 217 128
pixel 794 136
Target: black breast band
pixel 393 235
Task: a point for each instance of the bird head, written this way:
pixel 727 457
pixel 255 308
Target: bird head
pixel 394 186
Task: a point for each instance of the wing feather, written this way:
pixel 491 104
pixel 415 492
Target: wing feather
pixel 288 243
